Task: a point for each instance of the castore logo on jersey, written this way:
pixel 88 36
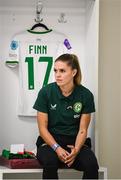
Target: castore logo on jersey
pixel 53 107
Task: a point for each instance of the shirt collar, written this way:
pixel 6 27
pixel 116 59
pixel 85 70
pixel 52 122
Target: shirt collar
pixel 61 96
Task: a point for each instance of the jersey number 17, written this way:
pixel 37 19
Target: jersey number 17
pixel 30 61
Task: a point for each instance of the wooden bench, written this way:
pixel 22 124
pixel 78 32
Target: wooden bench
pixel 64 173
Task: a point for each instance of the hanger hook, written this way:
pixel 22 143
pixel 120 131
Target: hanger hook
pixel 39 7
pixel 62 18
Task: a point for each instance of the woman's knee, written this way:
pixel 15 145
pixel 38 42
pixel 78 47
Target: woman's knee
pixel 91 164
pixel 50 163
pixel 88 160
pixel 47 157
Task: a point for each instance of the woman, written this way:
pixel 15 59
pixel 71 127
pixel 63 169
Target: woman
pixel 63 113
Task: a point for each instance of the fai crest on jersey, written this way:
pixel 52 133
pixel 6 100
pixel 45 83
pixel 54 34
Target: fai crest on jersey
pixel 14 45
pixel 77 107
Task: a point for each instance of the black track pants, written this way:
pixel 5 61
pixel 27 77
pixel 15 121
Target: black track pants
pixel 85 160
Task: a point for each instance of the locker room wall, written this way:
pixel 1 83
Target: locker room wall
pixel 81 28
pixel 110 87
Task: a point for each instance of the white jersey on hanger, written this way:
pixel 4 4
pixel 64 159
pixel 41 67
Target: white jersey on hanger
pixel 35 53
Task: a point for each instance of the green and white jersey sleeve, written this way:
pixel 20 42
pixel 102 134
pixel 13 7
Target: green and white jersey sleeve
pixel 35 53
pixel 13 53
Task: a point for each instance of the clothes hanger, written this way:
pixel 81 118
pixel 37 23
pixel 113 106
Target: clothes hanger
pixel 39 25
pixel 39 7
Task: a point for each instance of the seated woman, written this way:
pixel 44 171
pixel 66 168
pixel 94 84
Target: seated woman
pixel 63 113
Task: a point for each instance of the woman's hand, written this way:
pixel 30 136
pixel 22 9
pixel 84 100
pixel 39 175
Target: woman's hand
pixel 62 154
pixel 71 157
